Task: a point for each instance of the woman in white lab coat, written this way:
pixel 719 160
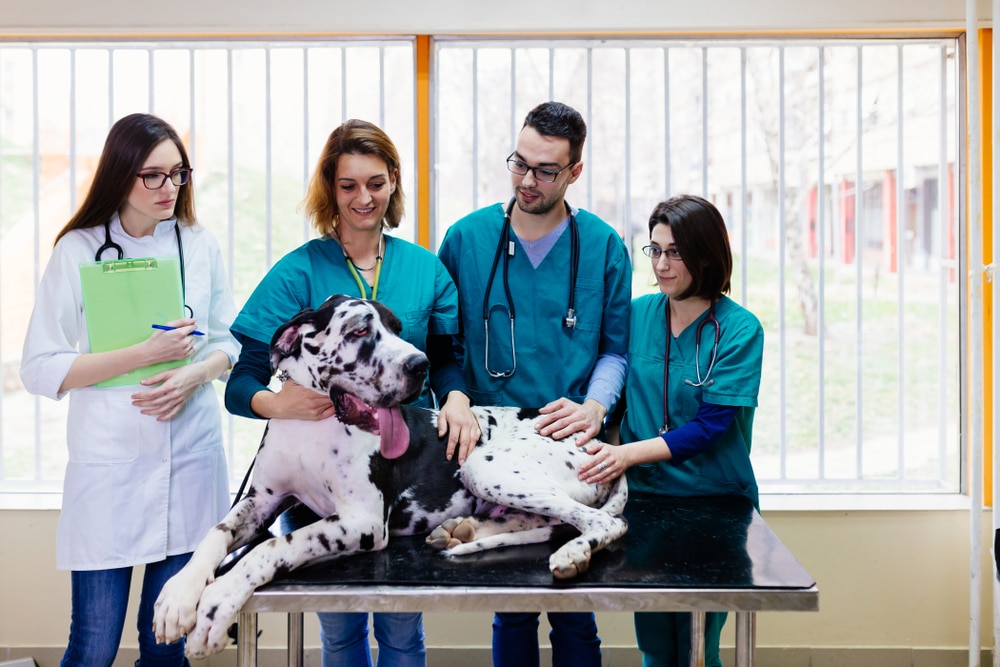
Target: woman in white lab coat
pixel 147 475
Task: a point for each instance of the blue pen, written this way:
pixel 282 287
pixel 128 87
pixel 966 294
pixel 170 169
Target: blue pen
pixel 164 327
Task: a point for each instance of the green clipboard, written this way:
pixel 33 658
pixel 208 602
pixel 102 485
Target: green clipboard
pixel 122 299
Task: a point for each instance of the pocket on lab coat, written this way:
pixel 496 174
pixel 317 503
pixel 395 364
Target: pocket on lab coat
pixel 102 426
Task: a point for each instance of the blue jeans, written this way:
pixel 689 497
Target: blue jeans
pixel 664 638
pixel 100 600
pixel 400 639
pixel 574 640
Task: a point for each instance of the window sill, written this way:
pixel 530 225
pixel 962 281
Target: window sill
pixel 771 502
pixel 863 502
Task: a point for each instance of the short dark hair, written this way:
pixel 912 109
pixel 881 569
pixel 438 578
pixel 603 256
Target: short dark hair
pixel 130 141
pixel 555 119
pixel 701 236
pixel 352 137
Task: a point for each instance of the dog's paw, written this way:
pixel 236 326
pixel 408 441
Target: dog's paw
pixel 570 560
pixel 220 603
pixel 175 610
pixel 452 533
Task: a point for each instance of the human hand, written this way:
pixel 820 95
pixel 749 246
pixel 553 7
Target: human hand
pixel 457 420
pixel 606 464
pixel 293 401
pixel 171 345
pixel 168 391
pixel 563 417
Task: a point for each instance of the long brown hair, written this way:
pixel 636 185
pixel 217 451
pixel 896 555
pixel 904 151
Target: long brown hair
pixel 130 141
pixel 352 137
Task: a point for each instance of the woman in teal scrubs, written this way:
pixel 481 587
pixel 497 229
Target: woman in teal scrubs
pixel 353 198
pixel 697 442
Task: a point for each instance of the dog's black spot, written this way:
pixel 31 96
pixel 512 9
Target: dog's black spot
pixel 528 414
pixel 569 464
pixel 367 542
pixel 211 612
pixel 324 541
pixel 491 420
pixel 489 457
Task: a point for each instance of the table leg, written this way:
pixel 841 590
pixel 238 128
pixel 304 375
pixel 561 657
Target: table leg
pixel 296 647
pixel 746 639
pixel 246 640
pixel 697 639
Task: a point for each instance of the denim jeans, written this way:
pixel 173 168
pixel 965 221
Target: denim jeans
pixel 664 638
pixel 100 600
pixel 400 639
pixel 574 640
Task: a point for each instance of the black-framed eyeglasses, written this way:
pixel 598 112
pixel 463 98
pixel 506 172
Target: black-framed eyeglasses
pixel 542 174
pixel 654 253
pixel 154 180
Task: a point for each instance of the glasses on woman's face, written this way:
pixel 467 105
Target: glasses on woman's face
pixel 154 180
pixel 654 253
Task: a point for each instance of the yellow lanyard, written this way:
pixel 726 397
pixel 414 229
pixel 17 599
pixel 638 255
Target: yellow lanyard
pixel 361 283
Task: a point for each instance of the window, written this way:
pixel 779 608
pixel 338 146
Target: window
pixel 254 117
pixel 859 295
pixel 834 162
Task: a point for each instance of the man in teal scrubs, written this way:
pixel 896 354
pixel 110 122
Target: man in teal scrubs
pixel 552 284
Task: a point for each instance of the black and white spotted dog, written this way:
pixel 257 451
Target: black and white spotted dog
pixel 377 469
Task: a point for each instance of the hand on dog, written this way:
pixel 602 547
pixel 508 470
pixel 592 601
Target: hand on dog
pixel 606 464
pixel 293 401
pixel 562 418
pixel 457 421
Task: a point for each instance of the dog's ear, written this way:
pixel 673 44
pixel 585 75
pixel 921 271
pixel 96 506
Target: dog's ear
pixel 286 343
pixel 388 318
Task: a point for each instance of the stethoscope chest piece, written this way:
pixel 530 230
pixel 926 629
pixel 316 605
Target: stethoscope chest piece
pixel 505 250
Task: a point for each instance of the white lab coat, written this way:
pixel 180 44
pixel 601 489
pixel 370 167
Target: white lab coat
pixel 136 490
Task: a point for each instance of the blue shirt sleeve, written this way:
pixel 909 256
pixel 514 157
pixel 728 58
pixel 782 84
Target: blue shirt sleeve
pixel 607 380
pixel 251 374
pixel 701 433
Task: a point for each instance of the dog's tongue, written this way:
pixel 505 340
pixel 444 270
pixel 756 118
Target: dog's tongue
pixel 394 433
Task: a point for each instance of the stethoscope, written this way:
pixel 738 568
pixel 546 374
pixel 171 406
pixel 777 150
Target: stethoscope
pixel 705 381
pixel 111 245
pixel 507 242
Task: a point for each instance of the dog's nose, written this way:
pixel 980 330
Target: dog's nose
pixel 416 364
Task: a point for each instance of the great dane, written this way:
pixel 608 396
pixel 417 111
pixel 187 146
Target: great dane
pixel 377 468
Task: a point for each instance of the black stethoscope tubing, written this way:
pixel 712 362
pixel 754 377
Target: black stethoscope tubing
pixel 111 245
pixel 702 382
pixel 505 242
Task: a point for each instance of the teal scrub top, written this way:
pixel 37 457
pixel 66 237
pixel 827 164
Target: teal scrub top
pixel 724 469
pixel 552 360
pixel 412 283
